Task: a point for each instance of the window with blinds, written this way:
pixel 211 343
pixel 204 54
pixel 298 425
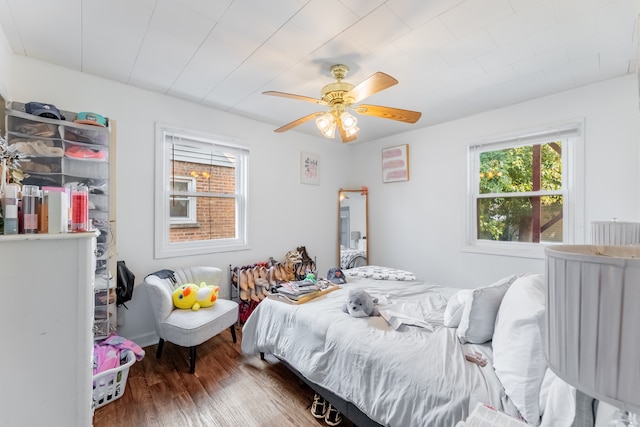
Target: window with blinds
pixel 524 191
pixel 200 193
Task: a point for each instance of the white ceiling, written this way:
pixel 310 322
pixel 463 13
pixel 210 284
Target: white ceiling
pixel 452 58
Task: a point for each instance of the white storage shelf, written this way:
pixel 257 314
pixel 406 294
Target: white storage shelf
pixel 63 153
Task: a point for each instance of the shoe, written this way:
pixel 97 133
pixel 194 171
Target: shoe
pixel 253 294
pixel 293 257
pixel 244 280
pixel 271 277
pixel 38 129
pixel 44 149
pixel 290 275
pixel 79 152
pixel 261 288
pixel 23 147
pixel 278 273
pixel 249 275
pixel 234 277
pixel 99 223
pixel 244 310
pixel 319 406
pixel 333 416
pixel 96 186
pixel 303 253
pixel 300 273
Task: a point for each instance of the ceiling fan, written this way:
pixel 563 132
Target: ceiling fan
pixel 340 97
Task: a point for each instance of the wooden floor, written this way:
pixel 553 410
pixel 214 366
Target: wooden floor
pixel 228 389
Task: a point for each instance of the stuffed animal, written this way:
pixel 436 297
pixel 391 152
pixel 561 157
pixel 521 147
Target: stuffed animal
pixel 360 304
pixel 194 297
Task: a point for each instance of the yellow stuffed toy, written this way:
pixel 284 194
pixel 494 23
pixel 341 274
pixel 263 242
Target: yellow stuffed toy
pixel 194 297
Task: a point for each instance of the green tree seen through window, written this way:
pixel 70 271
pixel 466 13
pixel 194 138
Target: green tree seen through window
pixel 523 199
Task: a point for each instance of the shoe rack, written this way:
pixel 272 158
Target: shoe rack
pixel 250 284
pixel 62 153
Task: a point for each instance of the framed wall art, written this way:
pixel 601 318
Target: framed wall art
pixel 395 163
pixel 309 168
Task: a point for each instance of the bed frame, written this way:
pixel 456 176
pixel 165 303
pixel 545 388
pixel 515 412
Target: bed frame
pixel 346 408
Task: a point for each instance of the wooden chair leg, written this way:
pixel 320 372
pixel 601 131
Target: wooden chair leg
pixel 192 359
pixel 159 351
pixel 233 332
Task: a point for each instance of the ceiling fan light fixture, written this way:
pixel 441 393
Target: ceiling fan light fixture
pixel 324 122
pixel 348 121
pixel 327 125
pixel 331 132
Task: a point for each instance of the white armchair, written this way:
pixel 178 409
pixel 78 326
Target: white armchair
pixel 188 328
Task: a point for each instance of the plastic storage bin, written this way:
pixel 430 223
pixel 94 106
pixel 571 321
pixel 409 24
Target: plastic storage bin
pixel 110 384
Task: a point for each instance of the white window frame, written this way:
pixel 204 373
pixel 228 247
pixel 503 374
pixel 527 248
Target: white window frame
pixel 163 248
pixel 191 206
pixel 571 133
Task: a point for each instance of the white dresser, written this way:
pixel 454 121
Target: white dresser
pixel 46 321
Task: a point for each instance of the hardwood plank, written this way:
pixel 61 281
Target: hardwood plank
pixel 228 389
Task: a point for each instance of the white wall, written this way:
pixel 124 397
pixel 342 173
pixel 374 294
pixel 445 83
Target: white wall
pixel 419 225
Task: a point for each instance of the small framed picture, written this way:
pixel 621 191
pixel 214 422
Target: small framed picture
pixel 309 168
pixel 395 163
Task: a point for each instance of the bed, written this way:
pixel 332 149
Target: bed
pixel 388 371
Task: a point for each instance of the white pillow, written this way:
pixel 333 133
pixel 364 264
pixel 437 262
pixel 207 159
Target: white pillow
pixel 518 352
pixel 455 307
pixel 479 314
pixel 545 386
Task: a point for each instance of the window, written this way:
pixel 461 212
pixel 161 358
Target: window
pixel 201 191
pixel 182 210
pixel 525 192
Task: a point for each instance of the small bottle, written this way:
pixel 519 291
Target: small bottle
pixel 30 196
pixel 10 208
pixel 80 208
pixel 43 212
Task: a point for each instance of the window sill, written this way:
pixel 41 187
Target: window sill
pixel 519 250
pixel 186 225
pixel 189 249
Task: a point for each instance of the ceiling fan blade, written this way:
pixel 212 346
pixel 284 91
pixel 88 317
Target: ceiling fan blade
pixel 343 133
pixel 406 116
pixel 374 84
pixel 292 96
pixel 298 122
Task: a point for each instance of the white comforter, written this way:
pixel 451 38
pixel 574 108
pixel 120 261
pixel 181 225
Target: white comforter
pixel 404 377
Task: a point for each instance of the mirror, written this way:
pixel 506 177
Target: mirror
pixel 353 228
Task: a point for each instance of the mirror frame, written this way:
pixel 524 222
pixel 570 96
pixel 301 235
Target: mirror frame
pixel 364 191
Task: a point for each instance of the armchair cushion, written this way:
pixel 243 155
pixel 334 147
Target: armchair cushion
pixel 188 328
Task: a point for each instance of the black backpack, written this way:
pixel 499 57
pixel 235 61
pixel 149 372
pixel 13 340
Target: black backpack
pixel 125 284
